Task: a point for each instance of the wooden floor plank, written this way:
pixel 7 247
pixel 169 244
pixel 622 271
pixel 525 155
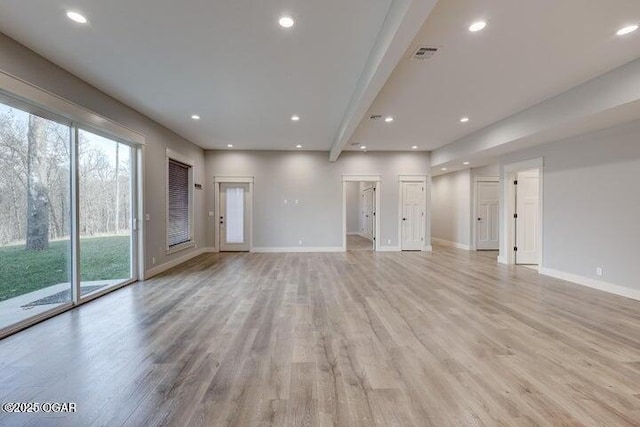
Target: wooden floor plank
pixel 345 339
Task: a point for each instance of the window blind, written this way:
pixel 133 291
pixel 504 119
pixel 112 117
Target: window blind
pixel 179 203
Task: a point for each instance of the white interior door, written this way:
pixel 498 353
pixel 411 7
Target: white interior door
pixel 412 216
pixel 487 218
pixel 527 217
pixel 368 203
pixel 234 217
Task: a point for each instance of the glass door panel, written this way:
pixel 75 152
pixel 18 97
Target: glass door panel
pixel 35 202
pixel 235 215
pixel 105 204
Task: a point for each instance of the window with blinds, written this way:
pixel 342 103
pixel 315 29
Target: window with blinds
pixel 179 204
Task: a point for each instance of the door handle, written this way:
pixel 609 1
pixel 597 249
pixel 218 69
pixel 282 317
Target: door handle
pixel 404 219
pixel 479 219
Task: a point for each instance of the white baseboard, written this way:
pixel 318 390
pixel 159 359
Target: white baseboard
pixel 451 244
pixel 502 260
pixel 354 233
pixel 299 249
pixel 173 263
pixel 210 250
pixel 389 249
pixel 592 283
pixel 428 249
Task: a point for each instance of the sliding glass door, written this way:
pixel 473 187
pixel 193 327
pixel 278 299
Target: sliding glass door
pixel 35 200
pixel 105 200
pixel 67 203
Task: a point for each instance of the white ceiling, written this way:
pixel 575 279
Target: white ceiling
pixel 228 61
pixel 231 63
pixel 530 51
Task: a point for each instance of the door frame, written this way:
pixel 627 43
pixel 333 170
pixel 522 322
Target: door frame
pixel 426 224
pixel 474 208
pixel 217 180
pixel 376 179
pixel 508 238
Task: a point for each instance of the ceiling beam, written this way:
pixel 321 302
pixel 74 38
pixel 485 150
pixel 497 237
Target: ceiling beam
pixel 400 27
pixel 602 102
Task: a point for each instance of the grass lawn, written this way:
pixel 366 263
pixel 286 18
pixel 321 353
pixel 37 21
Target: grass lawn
pixel 21 271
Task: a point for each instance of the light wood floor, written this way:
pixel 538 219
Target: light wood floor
pixel 354 339
pixel 358 243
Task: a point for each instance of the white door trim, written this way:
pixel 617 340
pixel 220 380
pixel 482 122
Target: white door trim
pixel 424 179
pixel 360 178
pixel 140 209
pixel 412 178
pixel 217 180
pixel 507 239
pixel 233 179
pixel 474 207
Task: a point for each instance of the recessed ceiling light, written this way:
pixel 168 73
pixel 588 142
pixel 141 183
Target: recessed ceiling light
pixel 477 26
pixel 298 146
pixel 76 17
pixel 627 30
pixel 464 120
pixel 195 117
pixel 388 119
pixel 295 118
pixel 229 145
pixel 443 169
pixel 465 163
pixel 415 147
pixel 286 21
pixel 363 147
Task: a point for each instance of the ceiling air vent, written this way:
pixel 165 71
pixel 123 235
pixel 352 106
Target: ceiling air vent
pixel 424 52
pixel 375 116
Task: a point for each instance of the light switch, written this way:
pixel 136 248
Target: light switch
pixel 147 217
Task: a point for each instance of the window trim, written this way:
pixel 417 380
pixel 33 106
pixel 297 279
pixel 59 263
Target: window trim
pixel 178 157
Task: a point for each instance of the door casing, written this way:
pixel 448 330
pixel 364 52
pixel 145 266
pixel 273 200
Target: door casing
pixel 361 178
pixel 223 219
pixel 216 201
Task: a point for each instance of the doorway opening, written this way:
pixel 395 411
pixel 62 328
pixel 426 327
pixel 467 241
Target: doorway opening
pixel 361 216
pixel 361 201
pixel 233 200
pixel 523 214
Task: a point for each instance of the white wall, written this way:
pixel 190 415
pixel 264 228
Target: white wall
pixel 451 208
pixel 353 207
pixel 317 184
pixel 492 170
pixel 591 204
pixel 25 64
